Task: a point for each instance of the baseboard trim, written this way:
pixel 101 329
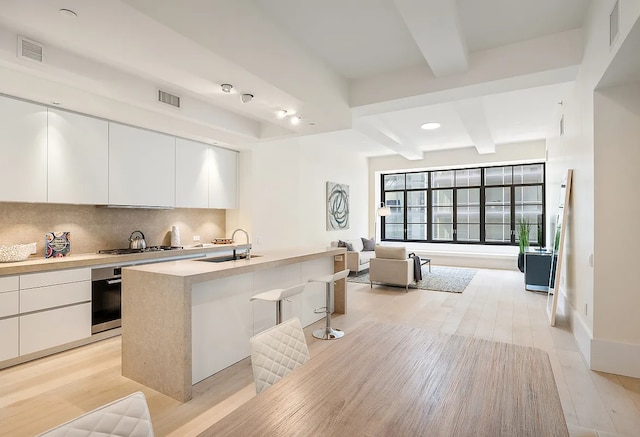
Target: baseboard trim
pixel 604 355
pixel 617 358
pixel 582 334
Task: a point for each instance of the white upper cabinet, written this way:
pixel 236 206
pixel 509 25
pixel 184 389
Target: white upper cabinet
pixel 23 147
pixel 192 174
pixel 223 174
pixel 78 159
pixel 141 167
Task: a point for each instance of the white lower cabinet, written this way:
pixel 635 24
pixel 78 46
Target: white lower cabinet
pixel 8 338
pixel 221 324
pixel 45 279
pixel 42 298
pixel 51 328
pixel 9 283
pixel 9 306
pixel 223 317
pixel 9 303
pixel 55 308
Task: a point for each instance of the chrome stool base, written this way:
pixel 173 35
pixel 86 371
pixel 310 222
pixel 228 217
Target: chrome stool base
pixel 328 333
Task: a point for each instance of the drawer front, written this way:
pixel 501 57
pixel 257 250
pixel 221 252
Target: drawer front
pixel 8 303
pixel 52 328
pixel 53 278
pixel 9 283
pixel 8 338
pixel 35 299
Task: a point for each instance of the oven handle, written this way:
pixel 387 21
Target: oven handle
pixel 114 281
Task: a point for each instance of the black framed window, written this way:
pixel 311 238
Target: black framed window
pixel 480 205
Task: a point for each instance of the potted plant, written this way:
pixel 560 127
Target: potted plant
pixel 524 228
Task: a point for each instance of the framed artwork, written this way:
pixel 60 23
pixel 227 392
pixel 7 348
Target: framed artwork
pixel 337 206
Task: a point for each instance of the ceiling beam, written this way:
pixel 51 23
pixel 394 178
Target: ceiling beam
pixel 472 115
pixel 436 29
pixel 394 144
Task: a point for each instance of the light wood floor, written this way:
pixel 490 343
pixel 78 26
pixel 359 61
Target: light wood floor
pixel 38 395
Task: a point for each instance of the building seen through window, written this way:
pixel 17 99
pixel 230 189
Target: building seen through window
pixel 472 206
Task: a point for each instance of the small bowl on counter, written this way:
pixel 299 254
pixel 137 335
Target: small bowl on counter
pixel 16 252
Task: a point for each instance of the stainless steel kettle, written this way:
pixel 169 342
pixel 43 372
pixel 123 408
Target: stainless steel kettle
pixel 137 242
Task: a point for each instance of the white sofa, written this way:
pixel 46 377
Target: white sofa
pixel 357 259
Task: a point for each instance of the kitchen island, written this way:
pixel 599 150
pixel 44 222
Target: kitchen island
pixel 183 321
pixel 47 305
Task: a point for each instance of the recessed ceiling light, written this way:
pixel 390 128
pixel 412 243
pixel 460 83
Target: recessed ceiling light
pixel 295 120
pixel 430 125
pixel 281 113
pixel 68 13
pixel 246 98
pixel 55 103
pixel 226 88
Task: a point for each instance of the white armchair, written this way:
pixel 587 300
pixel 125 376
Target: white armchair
pixel 391 266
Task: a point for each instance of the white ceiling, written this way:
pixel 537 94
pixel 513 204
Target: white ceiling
pixel 363 73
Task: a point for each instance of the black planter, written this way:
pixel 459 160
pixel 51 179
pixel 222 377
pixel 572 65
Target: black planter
pixel 521 262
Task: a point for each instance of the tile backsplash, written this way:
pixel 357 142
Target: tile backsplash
pixel 93 228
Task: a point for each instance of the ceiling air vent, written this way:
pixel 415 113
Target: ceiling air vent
pixel 169 99
pixel 30 49
pixel 614 24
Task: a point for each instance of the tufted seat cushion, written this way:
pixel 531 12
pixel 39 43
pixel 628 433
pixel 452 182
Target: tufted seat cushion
pixel 125 417
pixel 276 352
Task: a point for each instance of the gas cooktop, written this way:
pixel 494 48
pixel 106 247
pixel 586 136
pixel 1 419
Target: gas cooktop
pixel 147 249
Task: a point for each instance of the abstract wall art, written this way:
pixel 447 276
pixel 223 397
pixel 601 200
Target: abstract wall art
pixel 337 206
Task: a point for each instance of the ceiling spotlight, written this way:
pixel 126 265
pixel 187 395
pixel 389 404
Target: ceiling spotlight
pixel 430 125
pixel 68 13
pixel 226 88
pixel 281 113
pixel 295 120
pixel 246 98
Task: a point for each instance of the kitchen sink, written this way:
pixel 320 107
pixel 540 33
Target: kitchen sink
pixel 222 259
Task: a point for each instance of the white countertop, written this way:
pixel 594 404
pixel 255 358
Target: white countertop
pixel 196 270
pixel 35 265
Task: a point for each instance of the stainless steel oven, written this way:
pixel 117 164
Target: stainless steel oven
pixel 106 285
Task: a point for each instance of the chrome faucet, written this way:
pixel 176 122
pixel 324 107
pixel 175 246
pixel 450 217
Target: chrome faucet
pixel 246 234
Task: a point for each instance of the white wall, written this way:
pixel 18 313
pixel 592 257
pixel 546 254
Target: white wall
pixel 617 215
pixel 288 192
pixel 530 151
pixel 594 318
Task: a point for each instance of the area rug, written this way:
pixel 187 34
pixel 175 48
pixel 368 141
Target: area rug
pixel 451 279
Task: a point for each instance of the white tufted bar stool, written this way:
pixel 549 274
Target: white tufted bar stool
pixel 328 333
pixel 278 295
